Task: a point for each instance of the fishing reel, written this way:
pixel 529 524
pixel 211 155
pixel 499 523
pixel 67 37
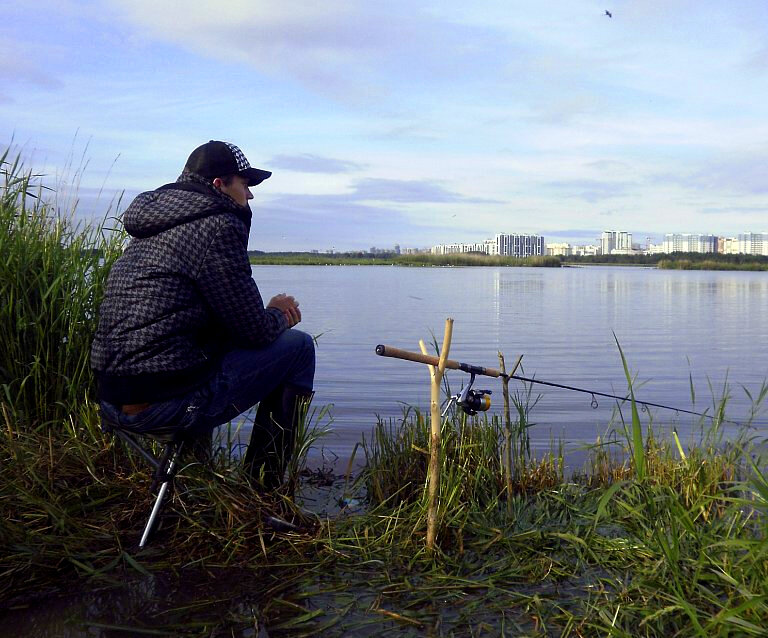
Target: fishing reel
pixel 472 401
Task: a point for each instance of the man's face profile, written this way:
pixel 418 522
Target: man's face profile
pixel 237 189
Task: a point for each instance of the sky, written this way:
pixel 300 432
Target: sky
pixel 411 123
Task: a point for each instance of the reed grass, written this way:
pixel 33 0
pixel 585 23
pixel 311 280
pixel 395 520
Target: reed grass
pixel 51 277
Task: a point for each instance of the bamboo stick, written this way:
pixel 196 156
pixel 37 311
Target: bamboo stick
pixel 507 432
pixel 436 376
pixel 507 425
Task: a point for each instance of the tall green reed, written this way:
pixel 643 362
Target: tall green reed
pixel 52 274
pixel 637 444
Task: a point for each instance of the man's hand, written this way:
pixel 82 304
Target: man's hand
pixel 289 307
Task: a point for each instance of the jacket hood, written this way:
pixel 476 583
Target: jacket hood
pixel 179 203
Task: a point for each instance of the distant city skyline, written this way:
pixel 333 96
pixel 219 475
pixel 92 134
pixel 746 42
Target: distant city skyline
pixel 624 242
pixel 612 242
pixel 405 123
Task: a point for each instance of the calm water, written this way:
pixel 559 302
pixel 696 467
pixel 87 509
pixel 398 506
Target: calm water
pixel 711 325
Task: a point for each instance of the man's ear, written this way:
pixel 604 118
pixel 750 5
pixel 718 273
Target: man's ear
pixel 217 183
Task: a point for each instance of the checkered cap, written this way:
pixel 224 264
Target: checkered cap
pixel 219 159
pixel 242 163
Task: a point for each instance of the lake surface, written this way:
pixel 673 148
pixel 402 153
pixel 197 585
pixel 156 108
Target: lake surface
pixel 712 326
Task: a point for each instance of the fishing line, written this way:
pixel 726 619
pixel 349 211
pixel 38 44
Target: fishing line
pixel 640 402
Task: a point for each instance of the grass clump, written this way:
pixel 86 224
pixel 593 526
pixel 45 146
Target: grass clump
pixel 470 259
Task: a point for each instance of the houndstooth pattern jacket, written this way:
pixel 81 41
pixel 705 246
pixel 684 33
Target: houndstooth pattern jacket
pixel 181 294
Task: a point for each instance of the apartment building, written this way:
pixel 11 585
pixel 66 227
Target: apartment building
pixel 451 249
pixel 519 245
pixel 728 245
pixel 753 243
pixel 561 249
pixel 507 245
pixel 690 243
pixel 588 250
pixel 615 240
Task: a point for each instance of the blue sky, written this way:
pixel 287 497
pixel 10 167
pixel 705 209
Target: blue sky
pixel 413 123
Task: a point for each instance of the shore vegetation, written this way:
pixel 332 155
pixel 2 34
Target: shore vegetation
pixel 392 259
pixel 713 264
pixel 653 537
pixel 673 261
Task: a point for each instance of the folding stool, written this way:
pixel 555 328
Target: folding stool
pixel 164 465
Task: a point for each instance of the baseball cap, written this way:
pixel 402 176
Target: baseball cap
pixel 217 159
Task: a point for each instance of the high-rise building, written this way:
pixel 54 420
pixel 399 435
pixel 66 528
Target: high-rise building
pixel 728 245
pixel 690 243
pixel 753 243
pixel 618 240
pixel 519 245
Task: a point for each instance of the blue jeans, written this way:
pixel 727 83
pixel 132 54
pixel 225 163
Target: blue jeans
pixel 243 378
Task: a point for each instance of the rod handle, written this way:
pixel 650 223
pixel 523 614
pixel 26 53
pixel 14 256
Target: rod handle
pixel 397 353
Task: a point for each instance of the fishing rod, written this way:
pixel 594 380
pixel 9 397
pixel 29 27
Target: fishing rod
pixel 472 401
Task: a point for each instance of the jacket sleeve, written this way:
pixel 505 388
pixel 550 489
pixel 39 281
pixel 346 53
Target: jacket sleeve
pixel 226 284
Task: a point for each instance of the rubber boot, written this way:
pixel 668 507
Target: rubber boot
pixel 273 435
pixel 295 405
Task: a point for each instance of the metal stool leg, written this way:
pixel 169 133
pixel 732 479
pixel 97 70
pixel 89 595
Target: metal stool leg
pixel 164 466
pixel 163 476
pixel 131 442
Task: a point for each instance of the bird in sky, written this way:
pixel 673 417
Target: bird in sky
pixel 608 13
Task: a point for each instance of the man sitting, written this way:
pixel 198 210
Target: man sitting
pixel 184 339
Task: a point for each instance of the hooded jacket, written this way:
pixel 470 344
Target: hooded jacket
pixel 180 295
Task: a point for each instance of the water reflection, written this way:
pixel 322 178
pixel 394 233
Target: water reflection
pixel 154 604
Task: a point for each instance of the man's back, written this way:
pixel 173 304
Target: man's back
pixel 180 294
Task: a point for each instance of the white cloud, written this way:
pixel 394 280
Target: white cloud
pixel 337 48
